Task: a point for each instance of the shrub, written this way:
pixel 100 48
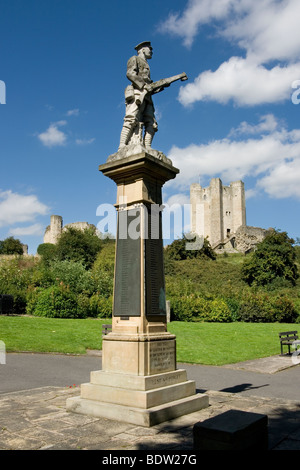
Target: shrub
pixel 31 300
pixel 284 310
pixel 56 302
pixel 79 245
pixel 197 308
pixel 233 305
pixel 273 258
pixel 47 252
pixel 15 277
pixel 11 246
pixel 256 307
pixel 74 275
pixel 219 311
pixel 100 307
pixel 177 250
pixel 259 307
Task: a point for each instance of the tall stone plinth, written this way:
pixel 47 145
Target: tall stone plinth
pixel 139 382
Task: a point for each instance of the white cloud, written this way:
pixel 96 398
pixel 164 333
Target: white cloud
pixel 84 141
pixel 268 123
pixel 31 230
pixel 268 152
pixel 283 180
pixel 17 208
pixel 73 112
pixel 267 30
pixel 197 13
pixel 177 199
pixel 243 82
pixel 53 136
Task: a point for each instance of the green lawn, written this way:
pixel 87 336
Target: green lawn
pixel 50 334
pixel 225 343
pixel 202 343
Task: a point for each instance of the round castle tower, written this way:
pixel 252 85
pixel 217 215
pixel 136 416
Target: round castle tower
pixel 54 230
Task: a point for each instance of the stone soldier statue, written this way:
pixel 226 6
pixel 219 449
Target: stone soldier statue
pixel 138 72
pixel 138 98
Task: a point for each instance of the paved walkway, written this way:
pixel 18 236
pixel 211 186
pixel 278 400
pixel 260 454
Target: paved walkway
pixel 37 419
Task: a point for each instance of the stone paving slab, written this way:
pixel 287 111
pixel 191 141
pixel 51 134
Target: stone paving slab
pixel 37 420
pixel 265 365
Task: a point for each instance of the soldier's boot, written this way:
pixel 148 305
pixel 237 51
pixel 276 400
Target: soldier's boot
pixel 148 139
pixel 125 134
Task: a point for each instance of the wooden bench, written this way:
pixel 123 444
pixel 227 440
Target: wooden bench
pixel 287 338
pixel 106 329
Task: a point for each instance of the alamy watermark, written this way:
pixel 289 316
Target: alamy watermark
pixel 140 221
pixel 2 92
pixel 296 353
pixel 2 353
pixel 296 94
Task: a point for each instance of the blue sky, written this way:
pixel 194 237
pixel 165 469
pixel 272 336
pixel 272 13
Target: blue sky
pixel 63 63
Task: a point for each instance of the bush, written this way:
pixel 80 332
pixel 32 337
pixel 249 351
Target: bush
pixel 100 307
pixel 256 308
pixel 196 308
pixel 284 310
pixel 74 275
pixel 273 258
pixel 56 302
pixel 15 277
pixel 234 306
pixel 259 307
pixel 11 246
pixel 47 252
pixel 79 245
pixel 177 250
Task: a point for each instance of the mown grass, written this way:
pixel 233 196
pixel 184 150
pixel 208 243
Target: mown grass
pixel 198 343
pixel 225 343
pixel 39 334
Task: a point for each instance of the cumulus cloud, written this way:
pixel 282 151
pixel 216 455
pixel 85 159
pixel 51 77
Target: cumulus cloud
pixel 19 208
pixel 197 13
pixel 53 136
pixel 242 82
pixel 282 180
pixel 267 30
pixel 268 123
pixel 30 230
pixel 266 151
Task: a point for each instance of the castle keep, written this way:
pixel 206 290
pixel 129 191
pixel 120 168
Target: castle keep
pixel 55 229
pixel 219 213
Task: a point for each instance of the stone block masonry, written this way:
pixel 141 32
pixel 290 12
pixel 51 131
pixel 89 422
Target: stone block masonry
pixel 218 212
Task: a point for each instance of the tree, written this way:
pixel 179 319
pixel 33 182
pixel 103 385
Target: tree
pixel 273 258
pixel 47 252
pixel 79 245
pixel 11 246
pixel 177 250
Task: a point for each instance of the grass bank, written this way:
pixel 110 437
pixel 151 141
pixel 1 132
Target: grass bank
pixel 199 343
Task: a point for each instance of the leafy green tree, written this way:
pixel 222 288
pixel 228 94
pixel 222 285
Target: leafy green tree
pixel 47 252
pixel 79 245
pixel 11 246
pixel 273 258
pixel 178 249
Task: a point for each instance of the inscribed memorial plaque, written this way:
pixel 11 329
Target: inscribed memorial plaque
pixel 127 298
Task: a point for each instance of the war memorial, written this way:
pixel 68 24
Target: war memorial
pixel 139 381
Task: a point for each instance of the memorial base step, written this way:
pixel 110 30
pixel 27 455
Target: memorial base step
pixel 141 400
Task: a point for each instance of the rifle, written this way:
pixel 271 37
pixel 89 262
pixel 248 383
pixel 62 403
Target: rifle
pixel 158 86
